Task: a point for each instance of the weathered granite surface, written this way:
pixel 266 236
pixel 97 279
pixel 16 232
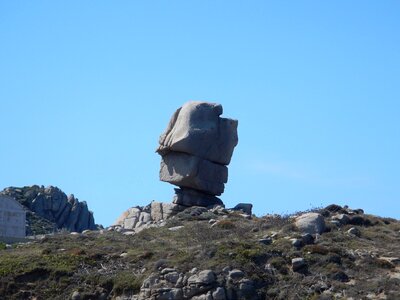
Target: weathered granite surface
pixel 196 148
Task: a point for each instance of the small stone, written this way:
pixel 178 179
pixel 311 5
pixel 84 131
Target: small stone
pixel 123 254
pixel 343 219
pixel 335 222
pixel 76 296
pixel 172 277
pixel 235 275
pixel 297 243
pixel 245 216
pixel 212 221
pixel 340 276
pixel 167 270
pixel 129 232
pixel 298 264
pixel 319 287
pixel 265 241
pixel 75 233
pixel 354 231
pixel 176 228
pixel 193 271
pixel 307 239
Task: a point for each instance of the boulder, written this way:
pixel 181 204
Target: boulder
pixel 354 231
pixel 156 211
pixel 342 218
pixel 205 277
pixel 191 171
pixel 298 264
pixel 311 223
pixel 129 218
pixel 162 211
pixel 189 197
pixel 244 207
pixel 235 275
pixel 196 148
pixel 197 129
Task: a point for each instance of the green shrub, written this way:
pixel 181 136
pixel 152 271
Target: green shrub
pixel 280 264
pixel 226 224
pixel 126 283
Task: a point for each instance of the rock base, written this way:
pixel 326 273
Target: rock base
pixel 189 197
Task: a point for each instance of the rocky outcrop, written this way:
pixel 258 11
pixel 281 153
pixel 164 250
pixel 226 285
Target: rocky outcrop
pixel 53 205
pixel 138 218
pixel 169 283
pixel 196 148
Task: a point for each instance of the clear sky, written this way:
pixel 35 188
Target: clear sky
pixel 87 87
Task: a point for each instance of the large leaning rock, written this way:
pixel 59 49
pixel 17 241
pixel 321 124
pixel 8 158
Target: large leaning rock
pixel 197 128
pixel 196 148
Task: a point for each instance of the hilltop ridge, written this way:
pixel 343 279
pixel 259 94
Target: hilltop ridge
pixel 218 254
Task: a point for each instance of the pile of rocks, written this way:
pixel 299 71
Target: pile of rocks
pixel 137 218
pixel 196 148
pixel 169 283
pixel 140 217
pixel 53 205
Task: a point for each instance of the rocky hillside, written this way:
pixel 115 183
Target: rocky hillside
pixel 49 209
pixel 214 254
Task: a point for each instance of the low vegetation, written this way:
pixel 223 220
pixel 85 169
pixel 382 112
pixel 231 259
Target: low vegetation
pixel 108 263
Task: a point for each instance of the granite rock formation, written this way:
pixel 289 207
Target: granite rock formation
pixel 156 214
pixel 196 148
pixel 137 218
pixel 52 207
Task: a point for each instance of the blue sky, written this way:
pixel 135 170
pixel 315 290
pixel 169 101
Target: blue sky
pixel 87 87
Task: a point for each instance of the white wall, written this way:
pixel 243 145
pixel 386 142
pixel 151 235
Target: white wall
pixel 12 218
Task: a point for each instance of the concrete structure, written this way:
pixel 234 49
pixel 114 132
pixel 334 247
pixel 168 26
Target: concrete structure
pixel 12 218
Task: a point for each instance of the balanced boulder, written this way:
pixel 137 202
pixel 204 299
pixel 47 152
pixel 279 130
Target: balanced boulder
pixel 196 148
